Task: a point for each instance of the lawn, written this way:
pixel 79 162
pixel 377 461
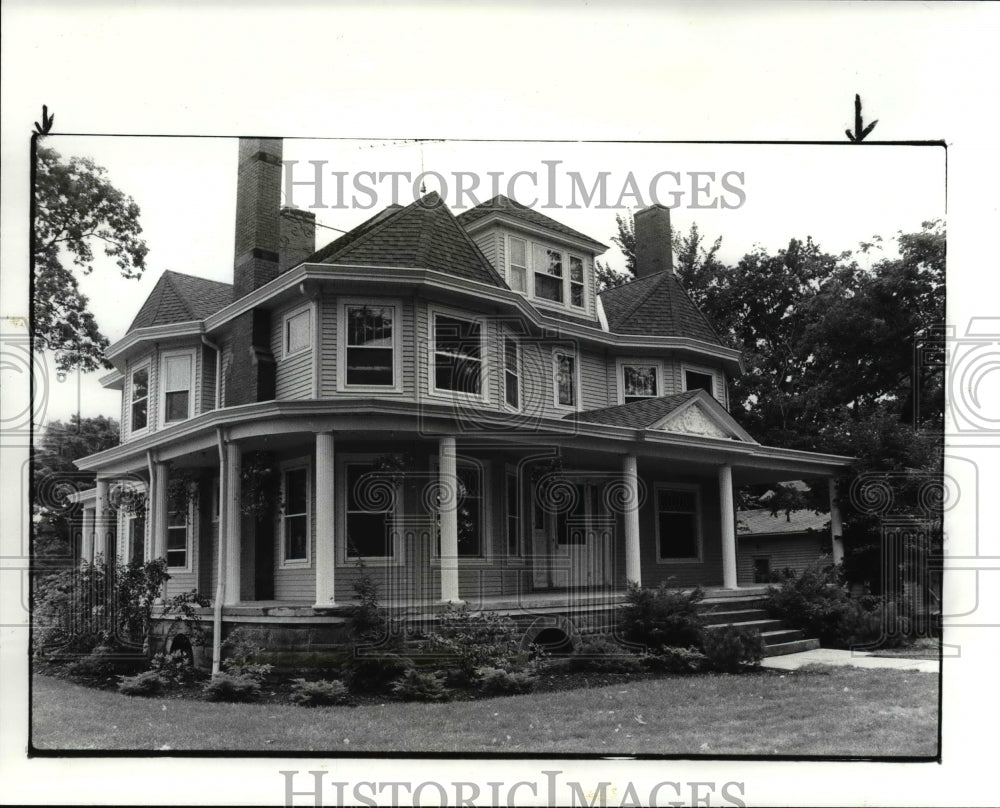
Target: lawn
pixel 828 711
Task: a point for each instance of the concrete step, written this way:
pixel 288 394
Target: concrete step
pixel 781 635
pixel 729 604
pixel 736 616
pixel 760 625
pixel 794 647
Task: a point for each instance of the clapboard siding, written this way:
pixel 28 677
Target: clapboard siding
pixel 328 347
pixel 207 376
pixel 293 374
pixel 594 389
pixel 793 550
pixel 487 242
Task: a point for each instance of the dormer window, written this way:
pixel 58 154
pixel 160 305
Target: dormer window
pixel 177 374
pixel 548 274
pixel 576 281
pixel 518 264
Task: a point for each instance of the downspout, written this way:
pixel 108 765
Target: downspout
pixel 218 374
pixel 220 585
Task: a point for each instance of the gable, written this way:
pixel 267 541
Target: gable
pixel 695 420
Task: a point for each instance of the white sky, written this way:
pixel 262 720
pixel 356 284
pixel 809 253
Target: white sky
pixel 186 188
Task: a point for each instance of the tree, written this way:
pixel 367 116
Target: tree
pixel 75 207
pixel 609 277
pixel 54 477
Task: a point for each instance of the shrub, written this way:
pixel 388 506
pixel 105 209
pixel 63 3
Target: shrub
pixel 732 648
pixel 475 640
pixel 601 655
pixel 667 659
pixel 498 682
pixel 243 650
pixel 657 617
pixel 232 687
pixel 175 668
pixel 319 693
pixel 417 686
pixel 885 625
pixel 103 663
pixel 147 683
pixel 373 674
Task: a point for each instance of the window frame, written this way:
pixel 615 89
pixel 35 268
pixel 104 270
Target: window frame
pixel 308 309
pixel 295 464
pixel 147 365
pixel 699 533
pixel 518 373
pixel 433 312
pixel 510 473
pixel 575 356
pixel 622 362
pixel 582 283
pixel 189 527
pixel 486 530
pixel 192 354
pixel 397 345
pixel 705 371
pixel 398 557
pixel 562 276
pixel 511 266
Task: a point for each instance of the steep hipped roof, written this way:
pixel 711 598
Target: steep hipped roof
pixel 656 304
pixel 502 204
pixel 178 298
pixel 760 521
pixel 637 415
pixel 424 234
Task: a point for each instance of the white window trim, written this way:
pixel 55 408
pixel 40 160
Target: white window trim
pixel 528 288
pixel 697 521
pixel 485 559
pixel 570 282
pixel 397 345
pixel 575 407
pixel 123 546
pixel 297 563
pixel 620 364
pixel 191 525
pixel 146 364
pixel 162 385
pixel 506 334
pixel 484 377
pixel 716 381
pixel 306 308
pixel 398 557
pixel 566 304
pixel 518 558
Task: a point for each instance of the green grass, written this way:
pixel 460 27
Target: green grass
pixel 830 711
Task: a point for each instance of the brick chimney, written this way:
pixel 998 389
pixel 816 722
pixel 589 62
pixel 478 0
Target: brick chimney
pixel 653 252
pixel 297 237
pixel 258 198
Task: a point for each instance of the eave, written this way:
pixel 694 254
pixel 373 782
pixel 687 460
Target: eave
pixel 509 220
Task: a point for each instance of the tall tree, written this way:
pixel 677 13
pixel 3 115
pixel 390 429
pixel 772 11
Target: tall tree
pixel 76 208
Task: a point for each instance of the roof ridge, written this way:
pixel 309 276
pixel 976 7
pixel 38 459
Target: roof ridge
pixel 177 293
pixel 196 277
pixel 487 265
pixel 697 308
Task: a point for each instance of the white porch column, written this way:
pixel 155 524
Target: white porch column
pixel 448 514
pixel 158 535
pixel 727 517
pixel 325 522
pixel 633 565
pixel 87 539
pixel 234 522
pixel 836 525
pixel 102 522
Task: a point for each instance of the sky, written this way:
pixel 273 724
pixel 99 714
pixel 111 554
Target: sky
pixel 750 195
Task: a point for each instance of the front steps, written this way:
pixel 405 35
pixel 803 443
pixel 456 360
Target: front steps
pixel 747 609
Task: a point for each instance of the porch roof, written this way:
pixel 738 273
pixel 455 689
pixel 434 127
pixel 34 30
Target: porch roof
pixel 263 420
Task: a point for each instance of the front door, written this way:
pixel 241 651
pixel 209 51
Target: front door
pixel 580 537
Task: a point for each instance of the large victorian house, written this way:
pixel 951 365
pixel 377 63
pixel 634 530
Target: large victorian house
pixel 446 402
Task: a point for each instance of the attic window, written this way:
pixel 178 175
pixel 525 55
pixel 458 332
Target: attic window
pixel 518 264
pixel 548 274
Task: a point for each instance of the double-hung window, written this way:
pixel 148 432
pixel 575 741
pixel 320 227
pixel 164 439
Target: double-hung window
pixel 518 264
pixel 677 530
pixel 565 379
pixel 512 515
pixel 370 349
pixel 639 380
pixel 576 297
pixel 177 539
pixel 458 355
pixel 139 399
pixel 548 265
pixel 511 372
pixel 295 515
pixel 368 514
pixel 177 381
pixel 470 510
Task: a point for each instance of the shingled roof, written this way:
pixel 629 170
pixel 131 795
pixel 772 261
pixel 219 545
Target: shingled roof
pixel 656 304
pixel 502 204
pixel 424 234
pixel 636 415
pixel 179 298
pixel 760 521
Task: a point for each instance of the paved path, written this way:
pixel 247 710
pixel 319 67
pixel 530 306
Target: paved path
pixel 857 659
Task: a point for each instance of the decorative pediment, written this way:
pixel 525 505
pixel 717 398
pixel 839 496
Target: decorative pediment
pixel 704 417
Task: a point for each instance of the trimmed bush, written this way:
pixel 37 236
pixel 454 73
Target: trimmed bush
pixel 733 648
pixel 147 683
pixel 374 674
pixel 667 659
pixel 232 687
pixel 498 682
pixel 601 655
pixel 417 686
pixel 319 693
pixel 658 617
pixel 474 640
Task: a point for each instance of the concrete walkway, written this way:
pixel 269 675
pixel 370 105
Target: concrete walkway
pixel 857 659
